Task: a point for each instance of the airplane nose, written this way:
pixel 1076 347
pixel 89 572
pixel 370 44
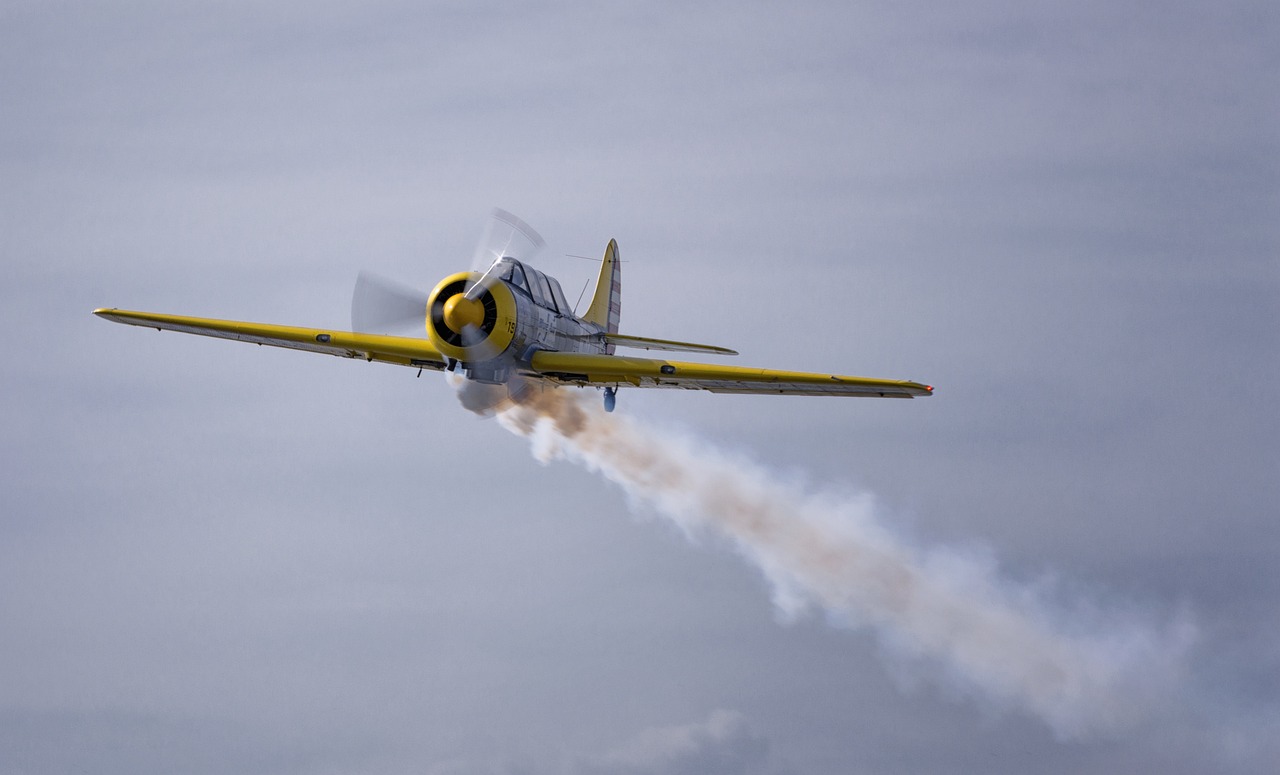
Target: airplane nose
pixel 460 312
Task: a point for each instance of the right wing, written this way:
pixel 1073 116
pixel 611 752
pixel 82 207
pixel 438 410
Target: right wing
pixel 401 350
pixel 585 369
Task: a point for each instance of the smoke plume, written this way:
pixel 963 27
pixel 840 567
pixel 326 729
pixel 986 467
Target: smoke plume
pixel 1083 670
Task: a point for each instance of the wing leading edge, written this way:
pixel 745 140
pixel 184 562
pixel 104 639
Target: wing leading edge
pixel 401 350
pixel 616 371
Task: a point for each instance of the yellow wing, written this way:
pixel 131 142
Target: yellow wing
pixel 616 371
pixel 405 351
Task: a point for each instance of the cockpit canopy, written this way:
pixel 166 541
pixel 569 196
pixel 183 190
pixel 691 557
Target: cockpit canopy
pixel 545 291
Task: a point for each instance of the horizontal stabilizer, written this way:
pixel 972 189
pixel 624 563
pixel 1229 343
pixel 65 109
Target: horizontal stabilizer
pixel 645 343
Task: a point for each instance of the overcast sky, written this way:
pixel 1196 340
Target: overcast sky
pixel 219 558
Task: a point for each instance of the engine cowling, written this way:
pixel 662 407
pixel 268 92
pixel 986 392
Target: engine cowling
pixel 472 331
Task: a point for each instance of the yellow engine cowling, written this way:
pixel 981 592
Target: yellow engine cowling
pixel 470 331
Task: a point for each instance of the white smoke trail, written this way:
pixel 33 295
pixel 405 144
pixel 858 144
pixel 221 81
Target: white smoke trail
pixel 1080 673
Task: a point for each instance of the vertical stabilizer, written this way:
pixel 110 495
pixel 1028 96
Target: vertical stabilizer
pixel 606 304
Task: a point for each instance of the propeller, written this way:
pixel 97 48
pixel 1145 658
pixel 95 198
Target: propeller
pixel 383 306
pixel 504 235
pixel 488 399
pixel 469 313
pixel 463 313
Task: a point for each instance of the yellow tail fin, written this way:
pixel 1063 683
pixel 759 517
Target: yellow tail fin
pixel 606 304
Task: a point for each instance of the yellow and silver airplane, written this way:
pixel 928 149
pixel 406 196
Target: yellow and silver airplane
pixel 511 325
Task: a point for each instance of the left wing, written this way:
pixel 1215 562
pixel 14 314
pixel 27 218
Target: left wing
pixel 402 350
pixel 584 369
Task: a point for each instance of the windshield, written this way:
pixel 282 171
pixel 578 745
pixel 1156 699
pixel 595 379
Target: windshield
pixel 510 270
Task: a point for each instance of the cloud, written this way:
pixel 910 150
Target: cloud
pixel 723 744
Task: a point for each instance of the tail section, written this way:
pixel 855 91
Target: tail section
pixel 606 304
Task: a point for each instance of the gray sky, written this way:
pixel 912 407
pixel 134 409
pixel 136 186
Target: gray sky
pixel 219 558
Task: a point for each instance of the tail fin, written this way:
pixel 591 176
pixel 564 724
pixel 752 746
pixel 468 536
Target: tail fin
pixel 606 304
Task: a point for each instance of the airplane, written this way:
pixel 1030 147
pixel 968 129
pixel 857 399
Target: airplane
pixel 511 328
